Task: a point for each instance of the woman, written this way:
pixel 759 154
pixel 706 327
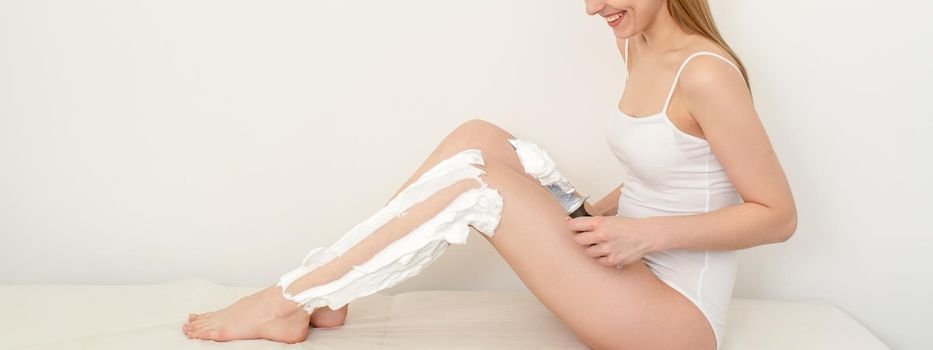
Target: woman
pixel 654 267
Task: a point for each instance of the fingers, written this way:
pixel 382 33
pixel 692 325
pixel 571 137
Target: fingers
pixel 593 240
pixel 608 261
pixel 596 251
pixel 588 238
pixel 584 223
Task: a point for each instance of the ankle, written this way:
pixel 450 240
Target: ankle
pixel 282 307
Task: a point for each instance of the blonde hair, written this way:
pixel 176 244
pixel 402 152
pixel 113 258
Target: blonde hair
pixel 695 17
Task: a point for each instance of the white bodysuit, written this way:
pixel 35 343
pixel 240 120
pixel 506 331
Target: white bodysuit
pixel 671 172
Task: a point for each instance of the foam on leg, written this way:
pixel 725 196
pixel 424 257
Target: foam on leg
pixel 478 207
pixel 539 165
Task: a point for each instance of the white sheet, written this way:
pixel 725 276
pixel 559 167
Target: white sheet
pixel 144 317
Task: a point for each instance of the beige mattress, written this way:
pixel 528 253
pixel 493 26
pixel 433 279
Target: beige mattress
pixel 144 317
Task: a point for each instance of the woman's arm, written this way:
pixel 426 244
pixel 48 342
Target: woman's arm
pixel 735 227
pixel 719 100
pixel 721 103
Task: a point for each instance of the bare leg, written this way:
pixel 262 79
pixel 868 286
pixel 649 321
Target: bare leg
pixel 472 134
pixel 606 308
pixel 268 315
pixel 281 320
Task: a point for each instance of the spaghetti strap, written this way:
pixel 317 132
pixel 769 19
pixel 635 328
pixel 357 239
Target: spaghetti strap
pixel 670 93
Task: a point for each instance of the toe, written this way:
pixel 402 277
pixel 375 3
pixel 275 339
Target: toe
pixel 188 328
pixel 209 333
pixel 200 333
pixel 189 333
pixel 198 325
pixel 214 334
pixel 192 317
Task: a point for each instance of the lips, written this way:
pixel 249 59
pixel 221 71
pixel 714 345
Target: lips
pixel 616 18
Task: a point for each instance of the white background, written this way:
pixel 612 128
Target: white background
pixel 150 141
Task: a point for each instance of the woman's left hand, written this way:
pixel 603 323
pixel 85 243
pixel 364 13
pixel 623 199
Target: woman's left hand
pixel 613 241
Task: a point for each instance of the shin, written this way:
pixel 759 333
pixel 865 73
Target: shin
pixel 479 207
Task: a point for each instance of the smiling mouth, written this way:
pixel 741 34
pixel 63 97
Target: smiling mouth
pixel 615 18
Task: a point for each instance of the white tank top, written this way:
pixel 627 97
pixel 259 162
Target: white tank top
pixel 671 172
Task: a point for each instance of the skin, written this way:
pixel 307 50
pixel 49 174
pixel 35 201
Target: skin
pixel 569 264
pixel 711 101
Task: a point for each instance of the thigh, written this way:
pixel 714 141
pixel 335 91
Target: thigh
pixel 607 308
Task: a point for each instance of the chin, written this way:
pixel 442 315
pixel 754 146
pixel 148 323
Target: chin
pixel 623 34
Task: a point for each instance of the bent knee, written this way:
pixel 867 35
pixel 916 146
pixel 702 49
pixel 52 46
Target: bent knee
pixel 478 123
pixel 478 131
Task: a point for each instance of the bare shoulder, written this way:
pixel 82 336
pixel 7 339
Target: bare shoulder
pixel 707 75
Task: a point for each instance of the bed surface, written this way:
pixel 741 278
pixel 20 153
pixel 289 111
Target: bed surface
pixel 147 317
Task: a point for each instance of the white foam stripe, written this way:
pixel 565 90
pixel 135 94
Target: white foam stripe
pixel 417 192
pixel 408 256
pixel 443 174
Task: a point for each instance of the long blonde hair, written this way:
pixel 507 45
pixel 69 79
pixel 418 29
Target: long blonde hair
pixel 695 17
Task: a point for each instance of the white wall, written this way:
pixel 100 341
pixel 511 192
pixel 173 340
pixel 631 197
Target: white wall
pixel 156 140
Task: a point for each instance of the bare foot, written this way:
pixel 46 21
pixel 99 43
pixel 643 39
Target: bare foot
pixel 324 317
pixel 263 315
